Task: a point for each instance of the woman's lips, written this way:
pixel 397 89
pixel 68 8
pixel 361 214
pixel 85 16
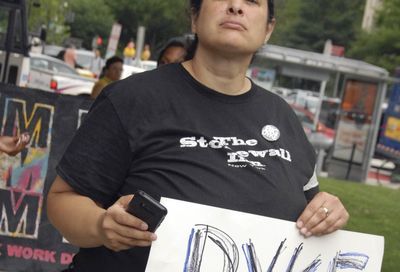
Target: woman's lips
pixel 232 25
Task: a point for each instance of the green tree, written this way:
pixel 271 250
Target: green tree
pixel 163 19
pixel 51 15
pixel 311 23
pixel 286 16
pixel 90 18
pixel 381 46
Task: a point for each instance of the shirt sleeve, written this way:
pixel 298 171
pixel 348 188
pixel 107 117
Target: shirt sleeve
pixel 98 159
pixel 312 187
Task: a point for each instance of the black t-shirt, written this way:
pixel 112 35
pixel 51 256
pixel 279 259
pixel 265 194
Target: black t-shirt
pixel 167 134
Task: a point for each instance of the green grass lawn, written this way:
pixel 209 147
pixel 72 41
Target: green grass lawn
pixel 374 210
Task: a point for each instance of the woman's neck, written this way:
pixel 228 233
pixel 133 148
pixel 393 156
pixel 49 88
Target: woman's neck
pixel 225 74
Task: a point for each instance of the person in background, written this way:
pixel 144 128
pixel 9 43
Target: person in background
pixel 175 50
pixel 198 131
pixel 112 72
pixel 129 52
pixel 70 56
pixel 97 63
pixel 12 145
pixel 146 52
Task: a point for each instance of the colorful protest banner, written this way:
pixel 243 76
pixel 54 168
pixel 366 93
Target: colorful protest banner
pixel 28 242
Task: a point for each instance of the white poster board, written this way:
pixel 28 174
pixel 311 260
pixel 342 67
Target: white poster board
pixel 196 238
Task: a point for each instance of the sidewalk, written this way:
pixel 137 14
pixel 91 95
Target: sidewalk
pixel 381 178
pixel 376 179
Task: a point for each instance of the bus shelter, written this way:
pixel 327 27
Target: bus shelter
pixel 360 86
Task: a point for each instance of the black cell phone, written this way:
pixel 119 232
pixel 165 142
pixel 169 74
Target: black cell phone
pixel 148 209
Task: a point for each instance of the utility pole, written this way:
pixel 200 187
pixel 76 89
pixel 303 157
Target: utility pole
pixel 371 6
pixel 15 50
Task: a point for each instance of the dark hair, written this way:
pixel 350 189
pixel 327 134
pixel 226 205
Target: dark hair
pixel 113 60
pixel 174 42
pixel 195 6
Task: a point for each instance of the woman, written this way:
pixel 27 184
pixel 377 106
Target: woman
pixel 198 131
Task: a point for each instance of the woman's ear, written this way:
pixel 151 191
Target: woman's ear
pixel 193 26
pixel 193 17
pixel 269 30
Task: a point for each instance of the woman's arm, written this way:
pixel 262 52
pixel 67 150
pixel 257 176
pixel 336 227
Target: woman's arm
pixel 84 223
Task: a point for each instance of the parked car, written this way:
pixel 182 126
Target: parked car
pixel 52 50
pixel 83 58
pixel 148 64
pixel 306 118
pixel 145 65
pixel 53 75
pixel 128 70
pixel 321 137
pixel 288 94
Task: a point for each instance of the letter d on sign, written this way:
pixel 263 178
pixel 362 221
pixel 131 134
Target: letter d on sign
pixel 66 258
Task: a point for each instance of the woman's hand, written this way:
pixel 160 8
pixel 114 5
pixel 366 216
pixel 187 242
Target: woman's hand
pixel 120 230
pixel 13 145
pixel 324 214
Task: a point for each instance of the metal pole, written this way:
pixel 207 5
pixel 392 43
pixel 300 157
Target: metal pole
pixel 9 42
pixel 320 160
pixel 321 97
pixel 353 149
pixel 373 130
pixel 139 44
pixel 24 29
pixel 336 87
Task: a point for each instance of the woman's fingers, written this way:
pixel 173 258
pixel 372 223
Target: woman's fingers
pixel 323 215
pixel 121 230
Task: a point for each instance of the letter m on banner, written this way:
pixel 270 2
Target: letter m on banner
pixel 38 123
pixel 20 213
pixel 22 177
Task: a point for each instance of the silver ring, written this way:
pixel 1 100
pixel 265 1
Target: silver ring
pixel 326 211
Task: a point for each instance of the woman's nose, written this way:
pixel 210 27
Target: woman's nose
pixel 234 7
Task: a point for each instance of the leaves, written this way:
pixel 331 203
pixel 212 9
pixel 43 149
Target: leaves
pixel 91 18
pixel 50 14
pixel 163 19
pixel 84 19
pixel 308 23
pixel 303 24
